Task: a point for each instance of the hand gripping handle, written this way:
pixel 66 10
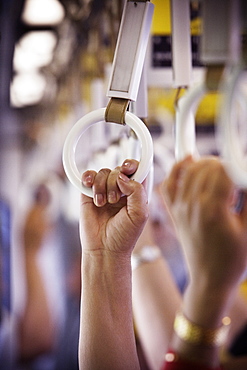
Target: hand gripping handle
pixel 83 124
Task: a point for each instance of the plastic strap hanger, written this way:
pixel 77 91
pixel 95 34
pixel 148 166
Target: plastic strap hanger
pixel 123 87
pixel 228 138
pixel 181 62
pixel 140 109
pixel 215 54
pixel 128 58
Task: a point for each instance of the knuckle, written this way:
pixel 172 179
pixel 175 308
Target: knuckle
pixel 104 172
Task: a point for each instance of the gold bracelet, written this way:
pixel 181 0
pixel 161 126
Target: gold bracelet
pixel 195 334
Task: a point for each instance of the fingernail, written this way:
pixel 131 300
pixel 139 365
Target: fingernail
pixel 88 179
pixel 112 197
pixel 123 177
pixel 126 164
pixel 99 199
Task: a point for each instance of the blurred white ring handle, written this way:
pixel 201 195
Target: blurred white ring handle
pixel 185 140
pixel 131 148
pixel 231 148
pixel 83 124
pixel 149 183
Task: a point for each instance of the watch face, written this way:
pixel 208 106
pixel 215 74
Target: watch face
pixel 147 254
pixel 150 253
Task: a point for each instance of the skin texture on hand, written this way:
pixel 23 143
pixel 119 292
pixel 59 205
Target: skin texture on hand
pixel 200 197
pixel 117 220
pixel 110 225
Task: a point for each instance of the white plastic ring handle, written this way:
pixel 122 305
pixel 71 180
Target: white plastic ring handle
pixel 83 124
pixel 231 150
pixel 185 140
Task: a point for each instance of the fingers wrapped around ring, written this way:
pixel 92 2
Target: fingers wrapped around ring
pixel 100 187
pixel 104 185
pixel 171 184
pixel 129 166
pixel 113 192
pixel 88 178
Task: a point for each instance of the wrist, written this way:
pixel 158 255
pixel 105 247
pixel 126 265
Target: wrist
pixel 199 344
pixel 206 306
pixel 195 334
pixel 205 309
pixel 105 264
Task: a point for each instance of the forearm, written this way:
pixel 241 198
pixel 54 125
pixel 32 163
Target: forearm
pixel 106 331
pixel 201 199
pixel 155 302
pixel 36 327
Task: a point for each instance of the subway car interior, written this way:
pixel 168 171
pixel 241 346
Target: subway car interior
pixel 179 66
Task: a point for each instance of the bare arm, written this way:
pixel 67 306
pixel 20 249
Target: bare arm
pixel 200 197
pixel 110 227
pixel 36 327
pixel 156 299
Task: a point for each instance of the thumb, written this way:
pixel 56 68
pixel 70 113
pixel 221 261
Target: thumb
pixel 137 204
